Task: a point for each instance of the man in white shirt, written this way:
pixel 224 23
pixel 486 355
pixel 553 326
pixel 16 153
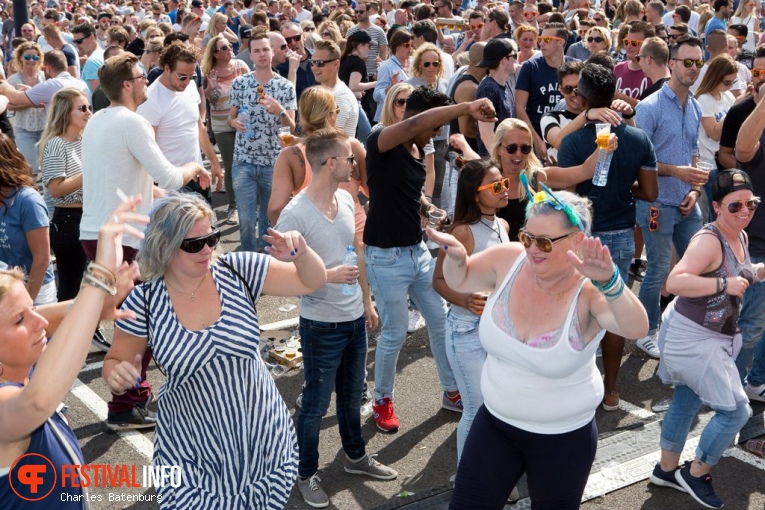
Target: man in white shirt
pixel 172 109
pixel 326 65
pixel 302 14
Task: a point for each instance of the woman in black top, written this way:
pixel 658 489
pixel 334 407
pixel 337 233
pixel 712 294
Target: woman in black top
pixel 353 71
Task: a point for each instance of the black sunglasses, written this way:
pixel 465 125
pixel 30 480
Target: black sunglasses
pixel 294 38
pixel 513 148
pixel 400 101
pixel 195 244
pixel 78 41
pixel 752 204
pixel 434 64
pixel 321 63
pixel 283 47
pixel 84 108
pixel 568 89
pixel 595 39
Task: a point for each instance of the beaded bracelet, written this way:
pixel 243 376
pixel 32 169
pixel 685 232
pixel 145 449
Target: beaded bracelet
pixel 603 286
pixel 94 266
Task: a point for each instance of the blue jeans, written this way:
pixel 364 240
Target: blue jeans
pixel 466 357
pixel 334 357
pixel 394 273
pixel 717 435
pixel 752 324
pixel 252 184
pixel 621 245
pixel 364 128
pixel 673 229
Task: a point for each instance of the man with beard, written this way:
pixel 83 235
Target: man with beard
pixel 119 153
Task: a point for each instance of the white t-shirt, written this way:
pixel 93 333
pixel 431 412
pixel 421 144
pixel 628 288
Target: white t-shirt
pixel 693 23
pixel 718 110
pixel 303 15
pixel 348 118
pixel 751 25
pixel 175 115
pixel 119 151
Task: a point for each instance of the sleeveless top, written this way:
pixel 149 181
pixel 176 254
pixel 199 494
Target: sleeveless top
pixel 718 312
pixel 485 234
pixel 552 388
pixel 514 213
pixel 454 126
pixel 44 442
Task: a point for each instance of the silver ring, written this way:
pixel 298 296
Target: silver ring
pixel 115 219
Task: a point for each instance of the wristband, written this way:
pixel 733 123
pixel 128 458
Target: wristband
pixel 626 117
pixel 724 283
pixel 586 115
pixel 696 190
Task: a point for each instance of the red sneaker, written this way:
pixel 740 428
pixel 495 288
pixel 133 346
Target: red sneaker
pixel 385 417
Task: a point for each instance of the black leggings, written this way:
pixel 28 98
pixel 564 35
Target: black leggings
pixel 70 257
pixel 497 454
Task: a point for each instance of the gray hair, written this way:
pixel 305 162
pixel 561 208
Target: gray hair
pixel 580 206
pixel 170 220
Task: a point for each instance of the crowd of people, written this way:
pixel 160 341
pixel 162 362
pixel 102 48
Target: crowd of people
pixel 398 164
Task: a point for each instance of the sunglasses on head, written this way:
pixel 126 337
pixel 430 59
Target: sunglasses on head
pixel 549 38
pixel 32 57
pixel 653 219
pixel 294 38
pixel 435 64
pixel 84 108
pixel 595 39
pixel 756 73
pixel 185 77
pixel 752 204
pixel 321 63
pixel 568 89
pixel 496 186
pixel 632 42
pixel 545 244
pixel 513 148
pixel 195 244
pixel 689 62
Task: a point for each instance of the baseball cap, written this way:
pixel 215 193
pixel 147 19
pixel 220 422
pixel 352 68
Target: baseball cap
pixel 196 3
pixel 360 37
pixel 103 15
pixel 496 50
pixel 245 31
pixel 729 181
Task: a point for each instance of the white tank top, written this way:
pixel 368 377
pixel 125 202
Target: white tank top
pixel 550 390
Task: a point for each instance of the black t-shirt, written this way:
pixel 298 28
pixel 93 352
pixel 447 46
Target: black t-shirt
pixel 732 123
pixel 514 213
pixel 503 99
pixel 136 47
pixel 756 171
pixel 653 88
pixel 355 64
pixel 395 181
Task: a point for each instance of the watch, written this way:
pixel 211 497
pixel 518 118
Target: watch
pixel 283 114
pixel 586 117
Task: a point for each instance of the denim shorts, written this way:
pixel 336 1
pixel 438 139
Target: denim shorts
pixel 621 244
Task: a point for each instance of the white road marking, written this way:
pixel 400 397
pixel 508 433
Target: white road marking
pixel 744 456
pixel 635 411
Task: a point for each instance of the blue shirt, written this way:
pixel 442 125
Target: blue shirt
pixel 674 131
pixel 384 73
pixel 540 80
pixel 24 211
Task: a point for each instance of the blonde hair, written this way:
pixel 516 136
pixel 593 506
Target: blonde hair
pixel 208 59
pixel 604 33
pixel 388 118
pixel 315 105
pixel 333 29
pixel 59 113
pixel 533 165
pixel 8 278
pixel 17 63
pixel 417 68
pixel 522 29
pixel 216 18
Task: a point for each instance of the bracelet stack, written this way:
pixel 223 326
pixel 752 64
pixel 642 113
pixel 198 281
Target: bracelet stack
pixel 614 288
pixel 101 278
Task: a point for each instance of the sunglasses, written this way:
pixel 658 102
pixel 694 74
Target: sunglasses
pixel 195 244
pixel 530 14
pixel 477 26
pixel 435 64
pixel 224 48
pixel 756 73
pixel 689 62
pixel 360 12
pixel 597 20
pixel 549 38
pixel 653 221
pixel 294 38
pixel 32 57
pixel 185 77
pixel 407 45
pixel 350 159
pixel 513 148
pixel 568 89
pixel 595 40
pixel 78 41
pixel 752 204
pixel 84 108
pixel 545 244
pixel 632 42
pixel 496 186
pixel 674 36
pixel 139 77
pixel 309 29
pixel 729 83
pixel 400 101
pixel 321 63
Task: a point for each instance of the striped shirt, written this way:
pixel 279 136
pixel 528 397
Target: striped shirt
pixel 63 159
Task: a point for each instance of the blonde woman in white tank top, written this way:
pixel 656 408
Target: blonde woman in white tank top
pixel 553 298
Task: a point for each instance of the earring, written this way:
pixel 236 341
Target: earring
pixel 2 368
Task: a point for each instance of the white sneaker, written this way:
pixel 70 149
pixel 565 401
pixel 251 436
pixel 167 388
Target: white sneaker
pixel 415 321
pixel 755 392
pixel 648 345
pixel 232 217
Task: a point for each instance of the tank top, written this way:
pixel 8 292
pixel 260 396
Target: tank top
pixel 550 390
pixel 514 213
pixel 718 312
pixel 454 126
pixel 485 234
pixel 44 442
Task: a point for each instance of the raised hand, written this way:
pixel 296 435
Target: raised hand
pixel 483 111
pixel 596 263
pixel 285 246
pixel 451 246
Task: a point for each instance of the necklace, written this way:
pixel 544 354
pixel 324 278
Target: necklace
pixel 493 227
pixel 560 294
pixel 193 297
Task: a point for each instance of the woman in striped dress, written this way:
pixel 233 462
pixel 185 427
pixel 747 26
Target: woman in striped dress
pixel 220 416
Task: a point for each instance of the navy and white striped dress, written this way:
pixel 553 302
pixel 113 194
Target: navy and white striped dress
pixel 220 416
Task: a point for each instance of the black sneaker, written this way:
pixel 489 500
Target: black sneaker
pixel 699 488
pixel 637 270
pixel 99 342
pixel 136 418
pixel 665 478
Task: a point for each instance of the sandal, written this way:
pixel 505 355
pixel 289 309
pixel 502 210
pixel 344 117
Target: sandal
pixel 756 447
pixel 611 401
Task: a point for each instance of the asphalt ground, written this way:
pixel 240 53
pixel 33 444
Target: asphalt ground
pixel 424 449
